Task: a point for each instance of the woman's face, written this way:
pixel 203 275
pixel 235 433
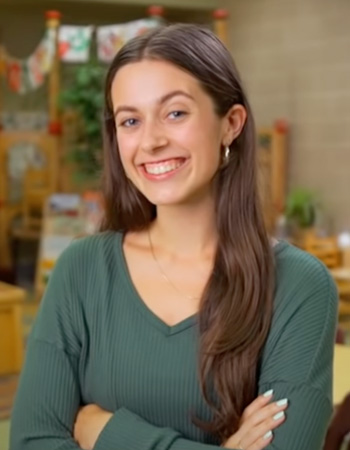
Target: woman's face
pixel 168 134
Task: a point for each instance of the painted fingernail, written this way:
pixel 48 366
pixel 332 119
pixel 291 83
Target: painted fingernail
pixel 268 435
pixel 278 416
pixel 268 393
pixel 282 402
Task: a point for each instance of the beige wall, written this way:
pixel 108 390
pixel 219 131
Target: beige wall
pixel 294 57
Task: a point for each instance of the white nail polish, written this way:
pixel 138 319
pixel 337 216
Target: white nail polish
pixel 268 435
pixel 268 393
pixel 278 415
pixel 282 402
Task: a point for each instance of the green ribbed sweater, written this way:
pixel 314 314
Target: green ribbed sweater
pixel 95 341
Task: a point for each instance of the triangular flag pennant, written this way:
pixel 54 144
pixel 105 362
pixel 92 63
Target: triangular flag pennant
pixel 111 38
pixel 74 43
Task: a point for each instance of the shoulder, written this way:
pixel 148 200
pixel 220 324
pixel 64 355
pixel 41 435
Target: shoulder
pixel 304 292
pixel 100 242
pixel 299 273
pixel 89 257
pixel 91 250
pixel 87 271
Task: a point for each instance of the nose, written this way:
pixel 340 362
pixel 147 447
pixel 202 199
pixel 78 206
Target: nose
pixel 153 137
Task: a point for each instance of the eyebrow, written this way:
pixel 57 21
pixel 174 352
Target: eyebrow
pixel 162 100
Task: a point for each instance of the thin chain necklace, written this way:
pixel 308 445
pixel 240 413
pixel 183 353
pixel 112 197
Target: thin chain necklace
pixel 164 275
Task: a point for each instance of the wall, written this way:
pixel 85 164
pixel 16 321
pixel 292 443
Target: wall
pixel 294 60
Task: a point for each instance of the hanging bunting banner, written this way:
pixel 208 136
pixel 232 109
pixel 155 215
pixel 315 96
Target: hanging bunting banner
pixel 26 75
pixel 39 63
pixel 74 43
pixel 111 38
pixel 35 74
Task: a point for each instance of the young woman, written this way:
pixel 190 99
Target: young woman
pixel 181 326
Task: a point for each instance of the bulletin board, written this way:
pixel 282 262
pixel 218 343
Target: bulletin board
pixel 66 218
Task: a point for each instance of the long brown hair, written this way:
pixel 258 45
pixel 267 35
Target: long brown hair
pixel 236 307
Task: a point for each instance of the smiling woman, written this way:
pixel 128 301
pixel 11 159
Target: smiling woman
pixel 160 133
pixel 181 325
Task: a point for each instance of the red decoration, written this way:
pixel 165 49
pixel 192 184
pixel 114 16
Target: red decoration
pixel 63 48
pixel 221 14
pixel 55 128
pixel 155 11
pixel 53 15
pixel 281 126
pixel 14 74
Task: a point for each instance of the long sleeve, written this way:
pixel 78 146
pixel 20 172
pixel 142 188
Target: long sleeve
pixel 47 401
pixel 48 396
pixel 127 431
pixel 298 359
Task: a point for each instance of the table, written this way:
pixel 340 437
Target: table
pixel 341 373
pixel 11 336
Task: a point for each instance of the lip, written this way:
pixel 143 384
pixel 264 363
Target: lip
pixel 164 176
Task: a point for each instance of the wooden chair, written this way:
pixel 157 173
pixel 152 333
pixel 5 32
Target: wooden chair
pixel 346 257
pixel 272 171
pixel 36 191
pixel 36 186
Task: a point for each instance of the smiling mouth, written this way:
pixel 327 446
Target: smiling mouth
pixel 164 167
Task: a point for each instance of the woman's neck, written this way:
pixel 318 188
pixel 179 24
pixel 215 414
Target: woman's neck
pixel 187 231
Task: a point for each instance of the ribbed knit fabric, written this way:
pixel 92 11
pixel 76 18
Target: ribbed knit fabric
pixel 95 341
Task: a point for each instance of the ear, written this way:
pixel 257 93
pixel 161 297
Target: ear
pixel 233 124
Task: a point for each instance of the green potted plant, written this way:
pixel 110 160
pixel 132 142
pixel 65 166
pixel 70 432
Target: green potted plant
pixel 301 211
pixel 84 97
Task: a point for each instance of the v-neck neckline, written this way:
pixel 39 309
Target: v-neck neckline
pixel 156 321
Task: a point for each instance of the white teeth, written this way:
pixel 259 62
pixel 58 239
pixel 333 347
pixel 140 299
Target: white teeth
pixel 162 168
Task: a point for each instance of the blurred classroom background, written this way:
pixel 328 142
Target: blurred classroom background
pixel 294 59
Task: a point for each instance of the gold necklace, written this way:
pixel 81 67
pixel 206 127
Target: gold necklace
pixel 164 275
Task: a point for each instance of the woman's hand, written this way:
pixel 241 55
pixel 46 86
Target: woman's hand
pixel 89 423
pixel 257 423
